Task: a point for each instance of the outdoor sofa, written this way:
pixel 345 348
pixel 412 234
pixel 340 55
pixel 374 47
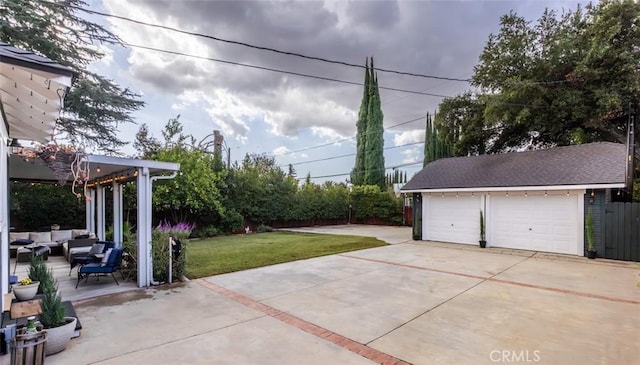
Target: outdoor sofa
pixel 56 241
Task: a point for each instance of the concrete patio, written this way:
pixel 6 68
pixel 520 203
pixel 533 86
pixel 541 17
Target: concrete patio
pixel 67 283
pixel 412 302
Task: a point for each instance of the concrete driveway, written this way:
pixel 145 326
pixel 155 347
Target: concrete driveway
pixel 412 302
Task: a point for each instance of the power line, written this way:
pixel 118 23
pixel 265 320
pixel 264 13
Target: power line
pixel 301 74
pixel 349 173
pixel 347 155
pixel 288 53
pixel 345 139
pixel 262 48
pixel 280 71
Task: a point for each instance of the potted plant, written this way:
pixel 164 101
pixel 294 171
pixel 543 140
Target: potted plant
pixel 591 249
pixel 483 238
pixel 37 271
pixel 59 328
pixel 25 289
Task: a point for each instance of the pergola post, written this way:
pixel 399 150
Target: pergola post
pixel 145 273
pixel 117 213
pixel 4 220
pixel 90 211
pixel 100 203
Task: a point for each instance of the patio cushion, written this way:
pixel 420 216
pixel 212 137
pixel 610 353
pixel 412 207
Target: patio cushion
pixel 39 237
pixel 79 250
pixel 21 242
pixel 107 254
pixel 95 269
pixel 96 248
pixel 79 232
pixel 61 236
pixel 13 236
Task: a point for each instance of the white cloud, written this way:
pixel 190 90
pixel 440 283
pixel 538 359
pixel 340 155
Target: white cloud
pixel 408 137
pixel 412 155
pixel 280 150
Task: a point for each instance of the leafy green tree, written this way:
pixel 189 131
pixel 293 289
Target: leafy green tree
pixel 260 190
pixel 194 194
pixel 95 105
pixel 460 127
pixel 563 79
pixel 36 205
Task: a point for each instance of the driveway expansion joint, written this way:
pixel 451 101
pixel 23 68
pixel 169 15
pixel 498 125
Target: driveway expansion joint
pixel 492 278
pixel 346 343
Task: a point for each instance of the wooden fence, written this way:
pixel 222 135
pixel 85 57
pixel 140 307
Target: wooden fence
pixel 622 231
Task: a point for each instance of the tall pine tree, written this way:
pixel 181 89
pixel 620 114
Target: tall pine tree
pixel 374 148
pixel 369 166
pixel 357 175
pixel 434 146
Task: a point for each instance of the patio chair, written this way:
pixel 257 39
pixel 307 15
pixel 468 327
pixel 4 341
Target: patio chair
pixel 94 255
pixel 111 263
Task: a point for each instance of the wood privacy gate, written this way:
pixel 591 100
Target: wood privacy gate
pixel 622 231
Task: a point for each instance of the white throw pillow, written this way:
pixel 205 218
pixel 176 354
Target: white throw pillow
pixel 105 259
pixel 78 232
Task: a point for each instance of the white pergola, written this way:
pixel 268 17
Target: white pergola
pixel 115 171
pixel 32 89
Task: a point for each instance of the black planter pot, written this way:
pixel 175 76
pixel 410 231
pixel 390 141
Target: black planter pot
pixel 591 254
pixel 483 243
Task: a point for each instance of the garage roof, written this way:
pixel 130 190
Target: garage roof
pixel 586 164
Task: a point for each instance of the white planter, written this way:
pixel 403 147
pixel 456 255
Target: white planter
pixel 58 337
pixel 26 292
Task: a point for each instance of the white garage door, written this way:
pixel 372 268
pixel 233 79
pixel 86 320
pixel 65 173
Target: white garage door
pixel 452 219
pixel 539 223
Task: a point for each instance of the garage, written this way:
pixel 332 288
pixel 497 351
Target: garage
pixel 452 218
pixel 540 223
pixel 532 200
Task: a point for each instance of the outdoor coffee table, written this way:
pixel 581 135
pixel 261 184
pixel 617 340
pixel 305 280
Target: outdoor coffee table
pixel 24 254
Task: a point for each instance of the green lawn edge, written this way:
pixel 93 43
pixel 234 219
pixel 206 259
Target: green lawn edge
pixel 224 254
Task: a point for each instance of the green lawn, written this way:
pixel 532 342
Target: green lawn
pixel 223 254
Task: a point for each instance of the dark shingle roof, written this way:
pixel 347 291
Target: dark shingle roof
pixel 19 57
pixel 586 164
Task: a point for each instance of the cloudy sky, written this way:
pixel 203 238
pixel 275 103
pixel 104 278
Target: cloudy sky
pixel 289 116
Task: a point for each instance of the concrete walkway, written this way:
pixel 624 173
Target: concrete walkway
pixel 417 303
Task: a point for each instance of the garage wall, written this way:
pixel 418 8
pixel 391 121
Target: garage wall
pixel 535 221
pixel 452 217
pixel 550 221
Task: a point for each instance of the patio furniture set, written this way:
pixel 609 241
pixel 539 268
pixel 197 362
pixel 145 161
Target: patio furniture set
pixel 80 248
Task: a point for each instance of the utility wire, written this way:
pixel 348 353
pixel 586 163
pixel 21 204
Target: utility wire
pixel 347 155
pixel 288 53
pixel 280 71
pixel 262 48
pixel 346 139
pixel 349 173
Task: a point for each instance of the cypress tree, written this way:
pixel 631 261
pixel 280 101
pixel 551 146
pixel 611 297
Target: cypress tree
pixel 357 175
pixel 374 145
pixel 434 147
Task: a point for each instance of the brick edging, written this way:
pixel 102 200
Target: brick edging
pixel 323 333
